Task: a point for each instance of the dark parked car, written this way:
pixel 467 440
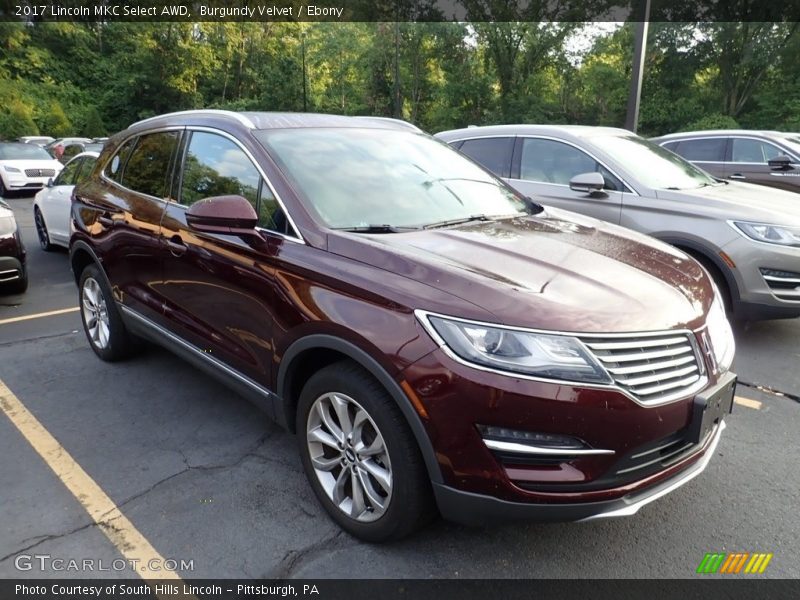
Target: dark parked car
pixel 765 157
pixel 434 338
pixel 13 273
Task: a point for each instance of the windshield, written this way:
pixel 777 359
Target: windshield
pixel 653 165
pixel 356 178
pixel 23 152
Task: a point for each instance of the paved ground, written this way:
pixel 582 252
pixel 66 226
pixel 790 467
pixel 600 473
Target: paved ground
pixel 205 477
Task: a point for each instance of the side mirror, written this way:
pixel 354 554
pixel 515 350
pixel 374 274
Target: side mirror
pixel 222 214
pixel 780 163
pixel 50 182
pixel 589 183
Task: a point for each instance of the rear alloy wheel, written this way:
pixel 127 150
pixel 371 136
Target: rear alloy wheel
pixel 41 231
pixel 101 320
pixel 360 456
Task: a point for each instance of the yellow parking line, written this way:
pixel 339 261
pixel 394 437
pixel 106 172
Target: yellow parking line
pixel 754 404
pixel 115 525
pixel 50 313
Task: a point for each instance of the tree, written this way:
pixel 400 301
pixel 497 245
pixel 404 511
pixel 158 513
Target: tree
pixel 55 122
pixel 16 121
pixel 93 125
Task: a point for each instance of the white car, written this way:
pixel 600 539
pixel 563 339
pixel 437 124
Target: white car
pixel 39 140
pixel 52 205
pixel 25 167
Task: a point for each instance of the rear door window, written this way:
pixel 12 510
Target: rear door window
pixel 148 168
pixel 708 150
pixel 492 153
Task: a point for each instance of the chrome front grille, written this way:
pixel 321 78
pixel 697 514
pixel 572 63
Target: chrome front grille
pixel 651 367
pixel 784 285
pixel 40 172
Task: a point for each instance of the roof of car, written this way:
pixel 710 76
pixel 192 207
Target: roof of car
pixel 277 120
pixel 580 131
pixel 715 132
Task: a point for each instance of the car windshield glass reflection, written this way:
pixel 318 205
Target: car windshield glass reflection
pixel 653 165
pixel 358 178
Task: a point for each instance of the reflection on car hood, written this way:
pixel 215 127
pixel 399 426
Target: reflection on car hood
pixel 736 200
pixel 33 164
pixel 554 271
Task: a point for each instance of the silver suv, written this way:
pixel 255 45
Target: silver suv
pixel 747 236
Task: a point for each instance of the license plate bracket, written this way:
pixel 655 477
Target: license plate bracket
pixel 711 407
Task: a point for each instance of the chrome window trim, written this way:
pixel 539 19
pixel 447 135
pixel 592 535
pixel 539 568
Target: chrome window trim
pixel 298 238
pixel 725 136
pixel 108 180
pixel 422 317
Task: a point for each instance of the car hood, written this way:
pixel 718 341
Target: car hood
pixel 33 164
pixel 736 200
pixel 555 271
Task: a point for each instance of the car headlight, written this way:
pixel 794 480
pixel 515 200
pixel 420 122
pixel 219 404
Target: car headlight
pixel 770 234
pixel 719 331
pixel 8 169
pixel 515 351
pixel 7 226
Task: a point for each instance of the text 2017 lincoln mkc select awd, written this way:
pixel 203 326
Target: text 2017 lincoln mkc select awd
pixel 436 340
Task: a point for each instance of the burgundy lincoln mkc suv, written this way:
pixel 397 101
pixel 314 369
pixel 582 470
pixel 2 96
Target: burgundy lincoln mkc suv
pixel 436 340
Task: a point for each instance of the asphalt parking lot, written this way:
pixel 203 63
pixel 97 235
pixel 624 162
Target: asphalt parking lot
pixel 207 480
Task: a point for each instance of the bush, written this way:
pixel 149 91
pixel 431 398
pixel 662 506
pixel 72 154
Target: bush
pixel 16 121
pixel 55 121
pixel 93 125
pixel 713 121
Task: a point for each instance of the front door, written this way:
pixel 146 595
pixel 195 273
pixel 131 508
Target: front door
pixel 219 288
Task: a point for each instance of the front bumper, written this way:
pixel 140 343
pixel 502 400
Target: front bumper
pixel 476 509
pixel 11 269
pixel 757 298
pixel 20 181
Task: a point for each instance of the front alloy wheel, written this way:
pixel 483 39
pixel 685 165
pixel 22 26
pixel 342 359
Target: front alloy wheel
pixel 360 456
pixel 349 457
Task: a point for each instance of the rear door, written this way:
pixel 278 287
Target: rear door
pixel 125 218
pixel 748 162
pixel 218 288
pixel 543 167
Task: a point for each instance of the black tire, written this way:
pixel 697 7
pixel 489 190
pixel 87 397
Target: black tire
pixel 410 503
pixel 118 343
pixel 41 230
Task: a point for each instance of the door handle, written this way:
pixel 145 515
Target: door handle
pixel 737 176
pixel 105 220
pixel 176 245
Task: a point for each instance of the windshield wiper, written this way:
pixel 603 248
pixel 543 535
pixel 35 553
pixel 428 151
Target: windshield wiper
pixel 438 224
pixel 376 229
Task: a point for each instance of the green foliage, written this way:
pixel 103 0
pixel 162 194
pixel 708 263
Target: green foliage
pixel 55 121
pixel 513 64
pixel 16 121
pixel 713 121
pixel 93 125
